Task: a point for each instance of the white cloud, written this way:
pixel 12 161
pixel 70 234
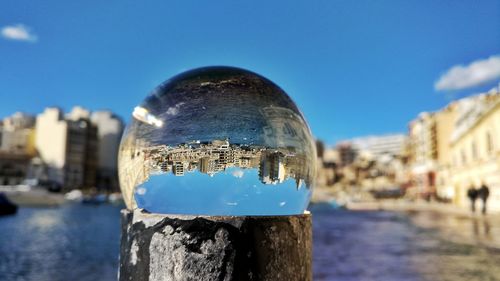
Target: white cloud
pixel 18 32
pixel 465 76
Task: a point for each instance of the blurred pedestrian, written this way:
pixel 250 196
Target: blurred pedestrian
pixel 483 193
pixel 472 193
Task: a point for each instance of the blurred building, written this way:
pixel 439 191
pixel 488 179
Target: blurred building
pixel 445 146
pixel 63 144
pixel 78 149
pixel 346 153
pixel 475 149
pixel 430 137
pixel 51 131
pixel 17 134
pixel 423 138
pixel 109 132
pixel 445 120
pixel 328 167
pixel 16 147
pixel 18 121
pixel 392 144
pixel 364 164
pixel 429 157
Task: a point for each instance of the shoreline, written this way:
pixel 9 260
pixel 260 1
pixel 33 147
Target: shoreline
pixel 402 205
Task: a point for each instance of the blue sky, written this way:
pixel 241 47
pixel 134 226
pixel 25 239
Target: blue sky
pixel 354 67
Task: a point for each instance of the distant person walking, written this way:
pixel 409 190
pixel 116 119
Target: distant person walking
pixel 483 193
pixel 472 193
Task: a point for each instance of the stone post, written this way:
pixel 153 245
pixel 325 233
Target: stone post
pixel 181 247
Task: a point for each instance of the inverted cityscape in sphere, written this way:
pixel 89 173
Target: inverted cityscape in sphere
pixel 217 141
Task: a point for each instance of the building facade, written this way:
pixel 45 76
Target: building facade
pixel 109 133
pixel 445 120
pixel 457 148
pixel 17 134
pixel 80 149
pixel 50 141
pixel 475 150
pixel 423 155
pixel 381 145
pixel 16 148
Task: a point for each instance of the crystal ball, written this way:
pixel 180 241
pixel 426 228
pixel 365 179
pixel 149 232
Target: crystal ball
pixel 217 141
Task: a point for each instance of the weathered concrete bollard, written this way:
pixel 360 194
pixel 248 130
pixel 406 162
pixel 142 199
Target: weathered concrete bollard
pixel 182 247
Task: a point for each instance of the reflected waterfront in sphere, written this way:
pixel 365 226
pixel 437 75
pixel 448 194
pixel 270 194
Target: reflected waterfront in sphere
pixel 218 141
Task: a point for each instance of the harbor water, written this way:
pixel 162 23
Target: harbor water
pixel 81 242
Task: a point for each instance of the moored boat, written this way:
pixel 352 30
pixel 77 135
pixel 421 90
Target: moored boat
pixel 6 207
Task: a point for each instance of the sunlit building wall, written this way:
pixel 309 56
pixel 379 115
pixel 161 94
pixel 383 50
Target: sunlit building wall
pixel 51 133
pixel 109 132
pixel 445 124
pixel 475 148
pixel 18 121
pixel 380 145
pixel 69 147
pixel 19 141
pixel 423 154
pixel 17 134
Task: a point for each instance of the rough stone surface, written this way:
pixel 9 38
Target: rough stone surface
pixel 173 247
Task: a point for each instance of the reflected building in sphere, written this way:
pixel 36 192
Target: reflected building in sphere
pixel 218 141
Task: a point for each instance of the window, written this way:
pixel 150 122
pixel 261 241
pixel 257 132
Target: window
pixel 489 143
pixel 464 160
pixel 474 150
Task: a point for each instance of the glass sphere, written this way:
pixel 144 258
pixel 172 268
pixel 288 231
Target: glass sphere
pixel 217 141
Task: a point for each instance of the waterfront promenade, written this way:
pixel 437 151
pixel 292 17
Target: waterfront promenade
pixel 454 223
pixel 445 217
pixel 411 246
